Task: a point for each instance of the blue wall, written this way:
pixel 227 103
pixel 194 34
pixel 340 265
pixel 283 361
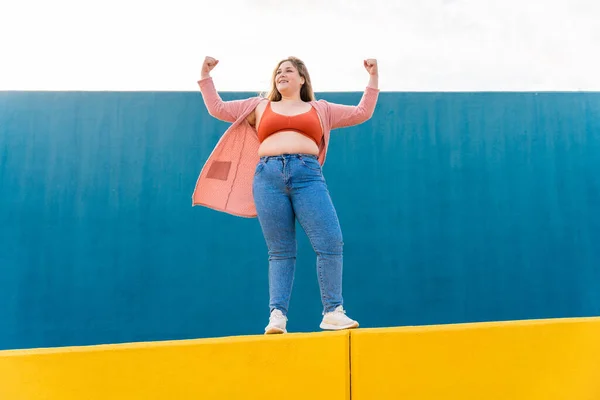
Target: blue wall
pixel 455 207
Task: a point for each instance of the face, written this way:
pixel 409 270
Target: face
pixel 287 78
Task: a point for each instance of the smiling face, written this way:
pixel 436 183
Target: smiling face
pixel 291 78
pixel 287 79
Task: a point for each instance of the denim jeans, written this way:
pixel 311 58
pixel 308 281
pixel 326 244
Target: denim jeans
pixel 290 187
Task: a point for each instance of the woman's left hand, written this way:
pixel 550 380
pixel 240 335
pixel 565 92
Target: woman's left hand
pixel 371 66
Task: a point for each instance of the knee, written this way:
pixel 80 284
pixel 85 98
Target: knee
pixel 283 253
pixel 281 256
pixel 330 246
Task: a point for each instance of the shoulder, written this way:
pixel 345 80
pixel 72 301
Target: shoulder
pixel 261 105
pixel 320 105
pixel 252 102
pixel 259 109
pixel 262 102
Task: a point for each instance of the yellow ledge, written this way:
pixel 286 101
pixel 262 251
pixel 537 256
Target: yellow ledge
pixel 293 366
pixel 557 359
pixel 542 359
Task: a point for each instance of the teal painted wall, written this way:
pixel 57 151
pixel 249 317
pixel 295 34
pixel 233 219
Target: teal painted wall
pixel 455 207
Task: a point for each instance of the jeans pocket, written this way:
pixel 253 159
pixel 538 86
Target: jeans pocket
pixel 259 167
pixel 311 163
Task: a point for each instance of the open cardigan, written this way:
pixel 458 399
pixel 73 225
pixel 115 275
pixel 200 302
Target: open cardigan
pixel 225 181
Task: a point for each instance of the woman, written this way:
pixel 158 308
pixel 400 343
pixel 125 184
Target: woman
pixel 268 164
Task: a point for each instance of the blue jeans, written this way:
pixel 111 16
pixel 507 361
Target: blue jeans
pixel 290 187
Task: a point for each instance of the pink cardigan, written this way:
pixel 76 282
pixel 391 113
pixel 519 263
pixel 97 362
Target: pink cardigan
pixel 225 182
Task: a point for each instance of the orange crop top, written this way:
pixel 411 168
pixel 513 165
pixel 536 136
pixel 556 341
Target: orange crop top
pixel 307 123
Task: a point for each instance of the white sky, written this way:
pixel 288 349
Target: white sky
pixel 421 45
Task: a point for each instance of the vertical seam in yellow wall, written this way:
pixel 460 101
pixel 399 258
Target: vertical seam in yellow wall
pixel 350 364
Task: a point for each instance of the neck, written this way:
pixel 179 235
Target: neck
pixel 291 98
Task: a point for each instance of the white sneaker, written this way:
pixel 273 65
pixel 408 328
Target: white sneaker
pixel 337 320
pixel 277 323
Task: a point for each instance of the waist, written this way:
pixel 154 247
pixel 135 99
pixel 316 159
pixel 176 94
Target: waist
pixel 286 156
pixel 287 142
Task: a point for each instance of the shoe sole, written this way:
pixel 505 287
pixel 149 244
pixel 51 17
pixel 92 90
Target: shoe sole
pixel 275 331
pixel 329 327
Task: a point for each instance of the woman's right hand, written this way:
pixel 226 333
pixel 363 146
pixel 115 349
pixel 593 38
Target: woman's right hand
pixel 207 66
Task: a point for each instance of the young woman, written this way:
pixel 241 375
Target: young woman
pixel 268 164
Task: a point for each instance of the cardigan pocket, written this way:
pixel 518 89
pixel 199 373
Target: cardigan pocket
pixel 219 170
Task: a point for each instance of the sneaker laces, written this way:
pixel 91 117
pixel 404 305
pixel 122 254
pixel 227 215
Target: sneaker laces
pixel 276 314
pixel 338 310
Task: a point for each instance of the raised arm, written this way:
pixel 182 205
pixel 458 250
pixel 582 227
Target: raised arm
pixel 228 111
pixel 343 116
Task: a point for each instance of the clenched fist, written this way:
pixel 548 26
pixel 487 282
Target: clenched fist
pixel 207 66
pixel 371 66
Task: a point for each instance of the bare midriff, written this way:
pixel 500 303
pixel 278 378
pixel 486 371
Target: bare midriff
pixel 287 142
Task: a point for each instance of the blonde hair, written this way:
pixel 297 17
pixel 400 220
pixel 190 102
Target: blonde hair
pixel 306 91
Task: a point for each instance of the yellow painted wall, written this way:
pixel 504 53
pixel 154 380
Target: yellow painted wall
pixel 529 360
pixel 293 366
pixel 525 360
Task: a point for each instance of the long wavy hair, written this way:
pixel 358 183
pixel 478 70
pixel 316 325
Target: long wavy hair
pixel 306 91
